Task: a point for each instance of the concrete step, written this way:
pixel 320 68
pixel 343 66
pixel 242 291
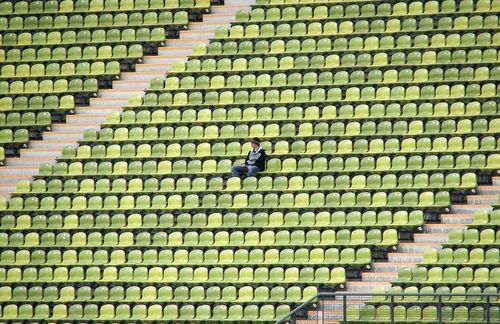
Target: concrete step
pixel 119 94
pixel 209 25
pixel 218 18
pixel 163 59
pixel 15 178
pixel 189 42
pixel 238 2
pixel 430 238
pixel 195 34
pixel 7 171
pixel 46 144
pixel 141 76
pixel 100 102
pixel 127 85
pixel 442 228
pixel 456 218
pixel 488 190
pixel 34 153
pixel 175 50
pixel 311 321
pixel 379 276
pixel 98 110
pixel 467 209
pixel 414 247
pixel 365 286
pixel 85 118
pixel 66 135
pixel 74 127
pixel 405 257
pixel 7 188
pixel 354 298
pixel 337 304
pixel 152 67
pixel 482 199
pixel 322 316
pixel 391 266
pixel 227 9
pixel 31 162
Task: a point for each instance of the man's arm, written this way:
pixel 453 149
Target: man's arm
pixel 246 159
pixel 261 161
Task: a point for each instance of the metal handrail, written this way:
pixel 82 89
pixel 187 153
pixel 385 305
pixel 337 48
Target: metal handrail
pixel 298 308
pixel 388 294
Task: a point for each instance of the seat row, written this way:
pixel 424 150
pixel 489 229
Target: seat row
pixel 388 8
pixel 97 69
pixel 354 10
pixel 227 201
pixel 250 184
pixel 85 6
pixel 282 148
pixel 341 44
pixel 221 239
pixel 358 27
pixel 420 313
pixel 119 20
pixel 260 220
pixel 337 165
pixel 277 131
pixel 427 296
pixel 472 237
pixel 75 53
pixel 19 136
pixel 185 275
pixel 335 61
pixel 344 113
pixel 437 75
pixel 463 256
pixel 449 276
pixel 303 256
pixel 48 86
pixel 180 294
pixel 485 218
pixel 84 37
pixel 318 94
pixel 47 102
pixel 15 119
pixel 323 21
pixel 142 312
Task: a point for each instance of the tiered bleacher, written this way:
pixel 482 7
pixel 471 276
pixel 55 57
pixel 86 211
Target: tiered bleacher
pixel 374 114
pixel 55 55
pixel 467 264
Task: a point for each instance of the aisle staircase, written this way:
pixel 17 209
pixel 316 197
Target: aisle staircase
pixel 409 253
pixel 111 100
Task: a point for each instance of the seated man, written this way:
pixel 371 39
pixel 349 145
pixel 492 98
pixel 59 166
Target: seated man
pixel 254 162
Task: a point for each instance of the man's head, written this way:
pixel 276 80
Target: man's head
pixel 255 142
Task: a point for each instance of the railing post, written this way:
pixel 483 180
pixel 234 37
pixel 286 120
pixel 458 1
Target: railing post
pixel 319 313
pixel 440 306
pixel 392 309
pixel 344 301
pixel 322 310
pixel 487 309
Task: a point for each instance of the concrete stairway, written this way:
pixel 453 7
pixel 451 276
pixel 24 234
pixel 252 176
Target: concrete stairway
pixel 92 116
pixel 409 254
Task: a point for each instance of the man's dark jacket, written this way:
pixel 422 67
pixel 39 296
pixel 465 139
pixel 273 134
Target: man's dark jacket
pixel 261 158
